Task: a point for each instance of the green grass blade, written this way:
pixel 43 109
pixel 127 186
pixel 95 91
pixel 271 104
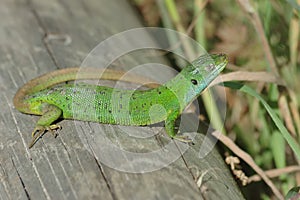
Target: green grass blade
pixel 290 140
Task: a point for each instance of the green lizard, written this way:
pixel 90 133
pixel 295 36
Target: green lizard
pixel 42 96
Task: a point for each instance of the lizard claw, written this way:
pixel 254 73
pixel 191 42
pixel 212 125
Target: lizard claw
pixel 36 134
pixel 53 127
pixel 184 139
pixel 41 130
pixel 37 129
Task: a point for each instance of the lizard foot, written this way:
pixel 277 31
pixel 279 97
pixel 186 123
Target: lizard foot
pixel 184 139
pixel 39 131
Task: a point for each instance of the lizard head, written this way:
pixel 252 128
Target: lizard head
pixel 195 77
pixel 205 69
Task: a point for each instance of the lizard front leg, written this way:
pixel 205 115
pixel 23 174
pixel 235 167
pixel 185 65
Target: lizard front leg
pixel 170 129
pixel 50 114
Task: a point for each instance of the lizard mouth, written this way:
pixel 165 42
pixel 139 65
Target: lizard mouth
pixel 221 61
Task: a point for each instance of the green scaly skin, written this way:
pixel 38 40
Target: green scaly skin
pixel 42 96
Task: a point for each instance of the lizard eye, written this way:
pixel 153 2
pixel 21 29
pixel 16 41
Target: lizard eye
pixel 194 82
pixel 210 67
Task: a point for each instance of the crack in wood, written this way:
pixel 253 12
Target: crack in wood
pixel 105 179
pixel 45 32
pixel 21 180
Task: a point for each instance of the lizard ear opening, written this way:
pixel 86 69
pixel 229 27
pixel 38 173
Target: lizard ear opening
pixel 194 81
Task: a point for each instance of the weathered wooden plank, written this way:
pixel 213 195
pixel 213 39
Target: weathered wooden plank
pixel 70 166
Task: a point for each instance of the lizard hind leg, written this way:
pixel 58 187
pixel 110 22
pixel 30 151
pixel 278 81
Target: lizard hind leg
pixel 50 114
